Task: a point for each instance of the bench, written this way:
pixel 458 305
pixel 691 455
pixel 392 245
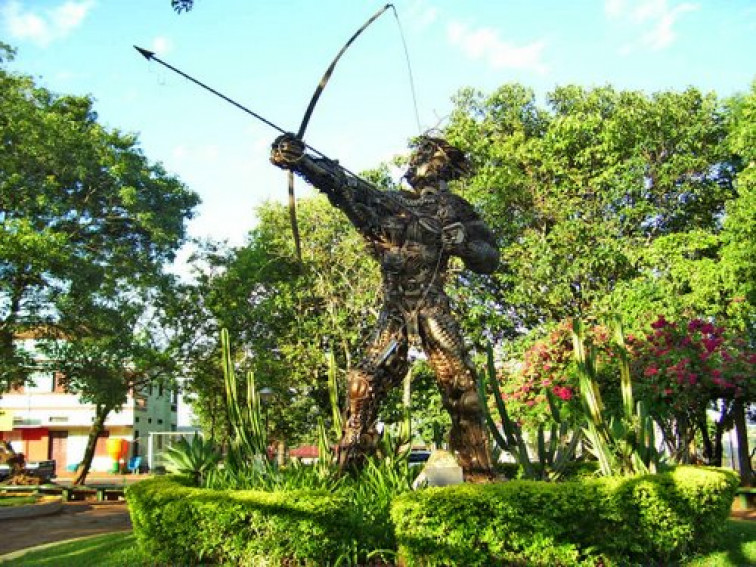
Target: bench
pixel 101 493
pixel 743 493
pixel 69 493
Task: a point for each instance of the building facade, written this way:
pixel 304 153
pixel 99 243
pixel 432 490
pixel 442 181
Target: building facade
pixel 44 422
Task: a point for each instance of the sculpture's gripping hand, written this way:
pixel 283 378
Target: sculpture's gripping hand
pixel 452 236
pixel 286 151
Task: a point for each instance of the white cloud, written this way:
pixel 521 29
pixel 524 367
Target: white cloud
pixel 422 14
pixel 652 20
pixel 485 44
pixel 43 27
pixel 162 45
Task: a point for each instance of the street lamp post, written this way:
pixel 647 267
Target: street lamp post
pixel 266 395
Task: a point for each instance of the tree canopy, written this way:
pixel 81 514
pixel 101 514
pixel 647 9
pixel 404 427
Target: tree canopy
pixel 83 213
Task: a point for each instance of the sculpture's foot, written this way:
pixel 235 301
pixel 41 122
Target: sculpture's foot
pixel 479 477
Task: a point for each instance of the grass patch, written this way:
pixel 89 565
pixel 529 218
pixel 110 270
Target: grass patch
pixel 8 501
pixel 738 547
pixel 110 550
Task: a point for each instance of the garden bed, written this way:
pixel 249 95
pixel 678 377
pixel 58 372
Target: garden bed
pixel 652 518
pixel 29 506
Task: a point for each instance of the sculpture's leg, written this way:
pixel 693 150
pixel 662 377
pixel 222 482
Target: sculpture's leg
pixel 456 377
pixel 382 368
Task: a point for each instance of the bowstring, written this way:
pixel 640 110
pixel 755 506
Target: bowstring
pixel 409 70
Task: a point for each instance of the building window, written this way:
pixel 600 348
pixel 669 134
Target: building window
pixel 58 419
pixel 149 420
pixel 58 383
pixel 160 391
pixel 160 421
pixel 136 420
pixel 101 448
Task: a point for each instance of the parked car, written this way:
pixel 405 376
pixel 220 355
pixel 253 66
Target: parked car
pixel 418 457
pixel 43 469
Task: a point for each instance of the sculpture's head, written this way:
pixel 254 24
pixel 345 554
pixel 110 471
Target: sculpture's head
pixel 435 161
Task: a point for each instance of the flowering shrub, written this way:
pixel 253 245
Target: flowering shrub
pixel 682 368
pixel 695 362
pixel 678 369
pixel 549 368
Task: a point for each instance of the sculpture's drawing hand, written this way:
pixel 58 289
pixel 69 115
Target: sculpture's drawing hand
pixel 452 235
pixel 286 151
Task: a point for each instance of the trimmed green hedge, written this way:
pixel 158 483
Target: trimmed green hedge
pixel 608 521
pixel 645 519
pixel 178 524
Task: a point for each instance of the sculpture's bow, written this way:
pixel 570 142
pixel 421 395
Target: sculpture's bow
pixel 308 114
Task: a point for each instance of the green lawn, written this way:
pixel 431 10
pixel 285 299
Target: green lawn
pixel 7 501
pixel 115 550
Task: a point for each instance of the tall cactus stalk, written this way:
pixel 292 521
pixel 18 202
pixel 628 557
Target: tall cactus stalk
pixel 552 455
pixel 250 438
pixel 622 445
pixel 333 396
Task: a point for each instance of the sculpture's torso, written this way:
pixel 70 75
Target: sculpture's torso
pixel 408 248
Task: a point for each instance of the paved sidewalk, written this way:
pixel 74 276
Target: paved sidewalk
pixel 76 519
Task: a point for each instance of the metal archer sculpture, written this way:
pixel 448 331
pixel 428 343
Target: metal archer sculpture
pixel 412 235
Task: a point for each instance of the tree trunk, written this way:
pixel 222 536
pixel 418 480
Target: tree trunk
pixel 741 434
pixel 98 425
pixel 708 444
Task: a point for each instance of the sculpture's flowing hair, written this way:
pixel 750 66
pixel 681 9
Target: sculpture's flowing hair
pixel 449 162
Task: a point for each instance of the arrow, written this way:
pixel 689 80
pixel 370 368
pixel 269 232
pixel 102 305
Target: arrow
pixel 150 56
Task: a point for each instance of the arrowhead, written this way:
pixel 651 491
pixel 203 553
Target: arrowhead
pixel 148 55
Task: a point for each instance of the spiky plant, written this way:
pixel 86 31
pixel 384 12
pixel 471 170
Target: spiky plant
pixel 195 458
pixel 551 455
pixel 625 444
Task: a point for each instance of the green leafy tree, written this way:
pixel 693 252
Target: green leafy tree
pixel 283 316
pixel 87 225
pixel 578 190
pixel 81 211
pixel 105 354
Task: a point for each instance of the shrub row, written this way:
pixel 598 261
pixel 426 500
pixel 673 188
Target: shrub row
pixel 646 519
pixel 177 524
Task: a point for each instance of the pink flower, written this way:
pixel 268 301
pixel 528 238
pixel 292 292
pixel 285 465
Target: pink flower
pixel 563 393
pixel 651 371
pixel 660 323
pixel 694 325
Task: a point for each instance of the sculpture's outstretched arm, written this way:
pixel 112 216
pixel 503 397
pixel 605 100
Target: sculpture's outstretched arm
pixel 363 203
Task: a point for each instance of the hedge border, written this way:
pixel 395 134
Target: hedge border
pixel 646 519
pixel 615 521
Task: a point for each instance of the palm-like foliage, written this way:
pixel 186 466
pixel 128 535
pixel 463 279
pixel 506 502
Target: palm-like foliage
pixel 622 445
pixel 195 459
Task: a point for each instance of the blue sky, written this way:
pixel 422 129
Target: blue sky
pixel 270 54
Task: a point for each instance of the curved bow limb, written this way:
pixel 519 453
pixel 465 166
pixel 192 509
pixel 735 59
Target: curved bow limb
pixel 306 120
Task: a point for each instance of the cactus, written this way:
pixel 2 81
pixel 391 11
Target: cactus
pixel 552 455
pixel 249 436
pixel 624 445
